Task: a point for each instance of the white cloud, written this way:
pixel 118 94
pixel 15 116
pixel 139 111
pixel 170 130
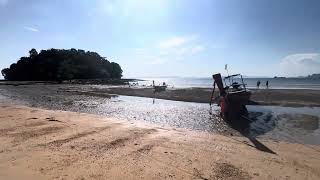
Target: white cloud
pixel 157 60
pixel 300 64
pixel 140 51
pixel 31 29
pixel 3 2
pixel 134 9
pixel 172 49
pixel 197 49
pixel 180 46
pixel 148 58
pixel 176 42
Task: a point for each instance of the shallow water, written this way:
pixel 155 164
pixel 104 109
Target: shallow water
pixel 274 83
pixel 300 125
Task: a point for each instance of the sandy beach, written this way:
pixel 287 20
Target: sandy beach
pixel 52 131
pixel 293 113
pixel 159 89
pixel 46 144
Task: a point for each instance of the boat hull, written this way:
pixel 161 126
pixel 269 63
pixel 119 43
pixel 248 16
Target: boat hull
pixel 238 97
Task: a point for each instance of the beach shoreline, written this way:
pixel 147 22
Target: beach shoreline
pixel 47 144
pixel 275 97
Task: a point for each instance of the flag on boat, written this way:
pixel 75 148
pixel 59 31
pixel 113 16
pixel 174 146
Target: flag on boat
pixel 226 66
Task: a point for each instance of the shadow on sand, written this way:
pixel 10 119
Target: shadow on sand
pixel 242 125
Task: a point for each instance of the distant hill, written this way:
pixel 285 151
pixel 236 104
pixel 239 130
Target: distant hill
pixel 279 77
pixel 314 76
pixel 62 64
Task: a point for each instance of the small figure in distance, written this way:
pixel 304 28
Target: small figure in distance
pixel 258 84
pixel 163 83
pixel 267 84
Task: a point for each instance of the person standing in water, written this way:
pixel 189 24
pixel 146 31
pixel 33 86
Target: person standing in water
pixel 258 84
pixel 267 84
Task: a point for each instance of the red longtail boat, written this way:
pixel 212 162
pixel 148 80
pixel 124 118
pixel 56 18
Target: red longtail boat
pixel 233 96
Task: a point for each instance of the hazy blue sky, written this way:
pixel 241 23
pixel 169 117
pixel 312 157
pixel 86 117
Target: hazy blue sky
pixel 171 37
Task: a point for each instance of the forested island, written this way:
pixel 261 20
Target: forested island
pixel 62 64
pixel 314 76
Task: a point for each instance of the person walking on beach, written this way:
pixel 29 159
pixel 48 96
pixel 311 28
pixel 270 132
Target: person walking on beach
pixel 258 84
pixel 267 84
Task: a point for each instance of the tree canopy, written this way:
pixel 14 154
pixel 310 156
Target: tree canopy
pixel 61 64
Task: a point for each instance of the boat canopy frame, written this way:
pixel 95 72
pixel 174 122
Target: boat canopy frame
pixel 230 82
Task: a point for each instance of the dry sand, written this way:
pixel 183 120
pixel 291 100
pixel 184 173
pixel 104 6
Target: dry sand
pixel 44 144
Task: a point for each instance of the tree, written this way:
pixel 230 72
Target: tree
pixel 33 53
pixel 116 70
pixel 6 73
pixel 61 64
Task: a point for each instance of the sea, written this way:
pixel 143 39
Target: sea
pixel 274 83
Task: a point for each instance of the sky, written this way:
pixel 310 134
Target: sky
pixel 171 37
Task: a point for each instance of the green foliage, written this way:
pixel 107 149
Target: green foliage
pixel 61 64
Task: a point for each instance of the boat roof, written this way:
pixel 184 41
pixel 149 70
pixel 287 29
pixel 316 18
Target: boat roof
pixel 232 76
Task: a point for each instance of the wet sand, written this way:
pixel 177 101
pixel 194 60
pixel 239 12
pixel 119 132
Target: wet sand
pixel 275 97
pixel 279 97
pixel 46 144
